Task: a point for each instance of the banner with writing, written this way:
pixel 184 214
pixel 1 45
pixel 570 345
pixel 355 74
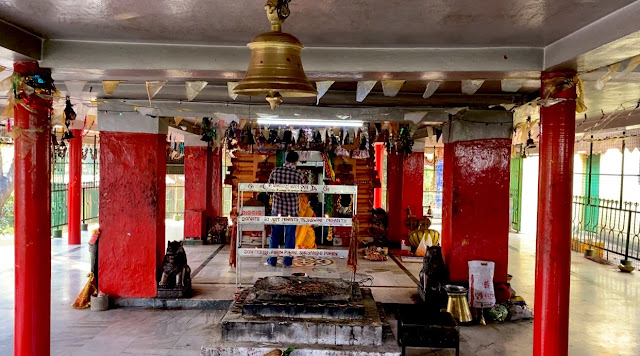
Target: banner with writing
pixel 274 252
pixel 297 188
pixel 285 220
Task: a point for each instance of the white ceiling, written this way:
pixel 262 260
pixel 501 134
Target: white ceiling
pixel 333 23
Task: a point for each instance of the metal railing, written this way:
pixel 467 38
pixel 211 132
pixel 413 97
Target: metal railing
pixel 607 225
pixel 59 203
pixel 90 201
pixel 59 194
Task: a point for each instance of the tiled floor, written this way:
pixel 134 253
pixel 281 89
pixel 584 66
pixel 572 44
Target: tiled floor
pixel 605 313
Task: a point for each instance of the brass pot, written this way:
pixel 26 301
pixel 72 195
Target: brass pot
pixel 457 304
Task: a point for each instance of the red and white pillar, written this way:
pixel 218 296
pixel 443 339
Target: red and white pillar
pixel 553 250
pixel 132 203
pixel 196 187
pixel 32 221
pixel 475 208
pixel 75 187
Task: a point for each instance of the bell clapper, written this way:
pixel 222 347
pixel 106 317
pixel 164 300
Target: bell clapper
pixel 274 99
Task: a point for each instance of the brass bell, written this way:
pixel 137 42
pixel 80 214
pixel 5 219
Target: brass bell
pixel 275 69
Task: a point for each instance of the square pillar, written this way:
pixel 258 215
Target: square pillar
pixel 196 187
pixel 475 212
pixel 214 166
pixel 132 203
pixel 405 177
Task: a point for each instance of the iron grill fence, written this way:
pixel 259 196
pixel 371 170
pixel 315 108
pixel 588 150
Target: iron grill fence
pixel 90 201
pixel 175 202
pixel 607 225
pixel 59 194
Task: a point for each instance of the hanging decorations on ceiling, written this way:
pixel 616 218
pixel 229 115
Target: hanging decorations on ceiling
pixel 363 89
pixel 275 69
pixel 432 86
pixel 192 89
pixel 69 116
pixel 391 87
pixel 153 87
pixel 469 87
pixel 109 86
pixel 323 87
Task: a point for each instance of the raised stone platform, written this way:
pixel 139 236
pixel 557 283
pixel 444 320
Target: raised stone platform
pixel 305 324
pixel 388 345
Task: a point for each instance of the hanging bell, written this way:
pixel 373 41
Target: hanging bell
pixel 275 69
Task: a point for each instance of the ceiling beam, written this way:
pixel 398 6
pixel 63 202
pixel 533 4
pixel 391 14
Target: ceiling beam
pixel 18 44
pixel 336 63
pixel 610 39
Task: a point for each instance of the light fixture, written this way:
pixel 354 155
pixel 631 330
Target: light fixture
pixel 309 122
pixel 275 69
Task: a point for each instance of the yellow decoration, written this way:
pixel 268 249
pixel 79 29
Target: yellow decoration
pixel 109 86
pixel 153 87
pixel 305 236
pixel 16 132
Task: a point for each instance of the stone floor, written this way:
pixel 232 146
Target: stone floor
pixel 604 319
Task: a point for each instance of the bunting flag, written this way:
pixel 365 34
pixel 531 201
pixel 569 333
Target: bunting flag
pixel 197 121
pixel 391 87
pixel 230 87
pixel 153 87
pixel 611 71
pixel 633 63
pixel 364 87
pixel 8 110
pixel 74 88
pixel 322 88
pixel 109 86
pixel 469 87
pixel 6 84
pixel 178 120
pixel 432 86
pixel 192 89
pixel 511 85
pixel 90 120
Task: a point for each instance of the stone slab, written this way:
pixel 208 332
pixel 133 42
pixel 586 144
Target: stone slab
pixel 367 331
pixel 213 304
pixel 301 289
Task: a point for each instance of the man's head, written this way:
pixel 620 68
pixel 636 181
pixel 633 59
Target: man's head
pixel 292 157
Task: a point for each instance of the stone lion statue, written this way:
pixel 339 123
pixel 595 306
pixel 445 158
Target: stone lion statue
pixel 175 270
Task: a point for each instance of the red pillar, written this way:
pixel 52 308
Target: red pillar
pixel 553 256
pixel 475 208
pixel 32 222
pixel 214 206
pixel 196 190
pixel 377 192
pixel 75 187
pixel 404 189
pixel 132 204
